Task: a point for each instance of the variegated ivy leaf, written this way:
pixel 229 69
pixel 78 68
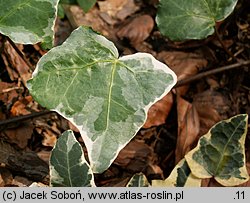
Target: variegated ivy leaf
pixel 221 152
pixel 68 167
pixel 138 180
pixel 28 21
pixel 106 97
pixel 191 19
pixel 181 176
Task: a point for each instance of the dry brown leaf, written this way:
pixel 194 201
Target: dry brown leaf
pixel 24 106
pixel 28 165
pixel 188 128
pixel 6 149
pixel 184 64
pixel 137 30
pixel 145 47
pixel 135 149
pixel 20 106
pixel 44 155
pixel 107 18
pixel 16 62
pixel 92 19
pixel 50 128
pixel 49 138
pixel 5 177
pixel 8 92
pixel 158 113
pixel 11 72
pixel 21 135
pixel 212 106
pixel 138 157
pixel 49 132
pixel 21 181
pixel 119 9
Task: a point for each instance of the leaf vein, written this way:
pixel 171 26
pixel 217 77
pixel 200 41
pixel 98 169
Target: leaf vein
pixel 225 147
pixel 110 94
pixel 13 10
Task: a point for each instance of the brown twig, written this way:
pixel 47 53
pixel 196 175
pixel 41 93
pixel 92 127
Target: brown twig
pixel 10 89
pixel 24 118
pixel 211 72
pixel 19 52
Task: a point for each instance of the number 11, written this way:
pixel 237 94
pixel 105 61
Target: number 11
pixel 240 195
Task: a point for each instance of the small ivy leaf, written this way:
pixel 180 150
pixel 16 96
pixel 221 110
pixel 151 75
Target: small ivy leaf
pixel 181 20
pixel 181 176
pixel 105 97
pixel 221 152
pixel 138 180
pixel 68 167
pixel 86 5
pixel 28 22
pixel 60 11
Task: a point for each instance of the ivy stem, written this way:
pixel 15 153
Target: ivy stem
pixel 211 72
